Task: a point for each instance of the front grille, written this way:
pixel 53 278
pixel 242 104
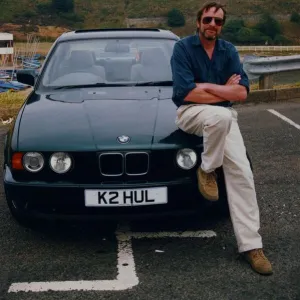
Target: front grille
pixel 136 163
pixel 111 164
pixel 118 164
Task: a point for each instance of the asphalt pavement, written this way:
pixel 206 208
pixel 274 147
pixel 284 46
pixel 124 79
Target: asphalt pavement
pixel 173 259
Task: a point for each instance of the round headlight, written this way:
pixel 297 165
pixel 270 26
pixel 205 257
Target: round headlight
pixel 186 158
pixel 60 162
pixel 33 162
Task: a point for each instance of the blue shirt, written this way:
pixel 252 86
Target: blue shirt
pixel 190 65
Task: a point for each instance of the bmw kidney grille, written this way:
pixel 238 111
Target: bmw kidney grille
pixel 118 164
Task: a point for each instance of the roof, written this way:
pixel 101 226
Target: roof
pixel 6 36
pixel 118 33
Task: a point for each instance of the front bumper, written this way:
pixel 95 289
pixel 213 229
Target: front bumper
pixel 66 200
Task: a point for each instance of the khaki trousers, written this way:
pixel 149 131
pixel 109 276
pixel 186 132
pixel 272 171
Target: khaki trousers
pixel 224 146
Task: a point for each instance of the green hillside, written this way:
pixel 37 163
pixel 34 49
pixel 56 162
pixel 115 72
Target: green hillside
pixel 156 8
pixel 138 13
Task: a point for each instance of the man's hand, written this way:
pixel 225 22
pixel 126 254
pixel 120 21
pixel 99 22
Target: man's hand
pixel 231 91
pixel 234 79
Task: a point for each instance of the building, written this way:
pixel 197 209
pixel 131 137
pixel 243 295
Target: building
pixel 6 46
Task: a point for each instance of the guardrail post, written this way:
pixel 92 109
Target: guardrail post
pixel 266 82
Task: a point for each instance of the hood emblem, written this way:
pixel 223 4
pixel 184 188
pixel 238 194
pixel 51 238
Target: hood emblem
pixel 123 139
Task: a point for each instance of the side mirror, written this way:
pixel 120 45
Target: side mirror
pixel 27 76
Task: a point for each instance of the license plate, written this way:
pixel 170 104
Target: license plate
pixel 126 197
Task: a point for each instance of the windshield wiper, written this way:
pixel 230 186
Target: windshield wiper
pixel 143 83
pixel 155 83
pixel 89 85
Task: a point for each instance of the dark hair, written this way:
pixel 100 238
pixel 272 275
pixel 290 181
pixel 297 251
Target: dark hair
pixel 206 6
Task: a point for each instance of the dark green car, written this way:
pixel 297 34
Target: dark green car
pixel 97 136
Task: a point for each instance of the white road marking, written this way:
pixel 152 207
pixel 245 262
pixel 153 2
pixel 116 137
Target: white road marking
pixel 284 118
pixel 126 278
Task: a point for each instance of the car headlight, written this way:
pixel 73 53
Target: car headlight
pixel 33 161
pixel 186 158
pixel 60 162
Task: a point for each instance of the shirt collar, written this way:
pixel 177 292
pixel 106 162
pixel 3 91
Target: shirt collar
pixel 197 42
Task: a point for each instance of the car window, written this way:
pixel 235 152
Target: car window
pixel 108 61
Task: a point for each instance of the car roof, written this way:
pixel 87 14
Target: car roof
pixel 118 33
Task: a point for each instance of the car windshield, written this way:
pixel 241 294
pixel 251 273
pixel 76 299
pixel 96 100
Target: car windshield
pixel 109 62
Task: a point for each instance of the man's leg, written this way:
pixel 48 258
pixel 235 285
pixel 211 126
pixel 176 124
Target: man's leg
pixel 242 199
pixel 213 123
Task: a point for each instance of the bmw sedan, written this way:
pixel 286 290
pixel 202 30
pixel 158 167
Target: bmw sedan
pixel 97 139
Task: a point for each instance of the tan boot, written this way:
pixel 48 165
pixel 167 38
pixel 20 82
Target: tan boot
pixel 259 262
pixel 207 184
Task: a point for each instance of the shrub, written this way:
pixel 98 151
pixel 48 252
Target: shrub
pixel 63 5
pixel 295 17
pixel 176 18
pixel 269 26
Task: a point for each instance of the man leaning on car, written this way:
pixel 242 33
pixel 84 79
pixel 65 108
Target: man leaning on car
pixel 207 75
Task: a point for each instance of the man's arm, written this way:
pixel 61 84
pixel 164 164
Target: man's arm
pixel 235 92
pixel 202 94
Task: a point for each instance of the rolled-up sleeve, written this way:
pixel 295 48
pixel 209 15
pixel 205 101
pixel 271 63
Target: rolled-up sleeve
pixel 235 67
pixel 182 74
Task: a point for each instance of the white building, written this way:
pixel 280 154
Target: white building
pixel 6 45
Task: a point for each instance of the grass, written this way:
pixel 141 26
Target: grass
pixel 159 8
pixel 255 86
pixel 101 14
pixel 43 47
pixel 11 102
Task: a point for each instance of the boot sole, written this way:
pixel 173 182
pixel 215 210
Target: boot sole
pixel 204 194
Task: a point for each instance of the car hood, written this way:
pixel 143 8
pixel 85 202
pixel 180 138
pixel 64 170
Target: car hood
pixel 92 120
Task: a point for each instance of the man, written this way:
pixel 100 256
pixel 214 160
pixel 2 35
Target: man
pixel 207 76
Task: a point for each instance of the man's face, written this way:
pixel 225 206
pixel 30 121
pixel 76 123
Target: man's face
pixel 209 25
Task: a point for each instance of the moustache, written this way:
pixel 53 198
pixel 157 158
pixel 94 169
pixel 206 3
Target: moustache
pixel 211 29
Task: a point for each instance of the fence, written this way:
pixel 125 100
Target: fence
pixel 265 68
pixel 268 48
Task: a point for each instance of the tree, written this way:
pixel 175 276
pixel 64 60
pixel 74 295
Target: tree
pixel 251 36
pixel 233 26
pixel 269 26
pixel 295 17
pixel 63 5
pixel 176 18
pixel 44 8
pixel 281 40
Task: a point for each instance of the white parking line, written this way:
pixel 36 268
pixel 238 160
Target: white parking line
pixel 126 278
pixel 284 118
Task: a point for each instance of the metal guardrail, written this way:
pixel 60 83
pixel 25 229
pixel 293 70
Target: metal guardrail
pixel 268 48
pixel 265 68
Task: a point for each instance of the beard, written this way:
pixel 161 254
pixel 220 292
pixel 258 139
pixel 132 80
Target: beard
pixel 209 36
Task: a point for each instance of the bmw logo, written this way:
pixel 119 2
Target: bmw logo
pixel 123 139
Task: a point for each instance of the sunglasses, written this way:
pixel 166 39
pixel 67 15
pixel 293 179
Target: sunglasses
pixel 218 21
